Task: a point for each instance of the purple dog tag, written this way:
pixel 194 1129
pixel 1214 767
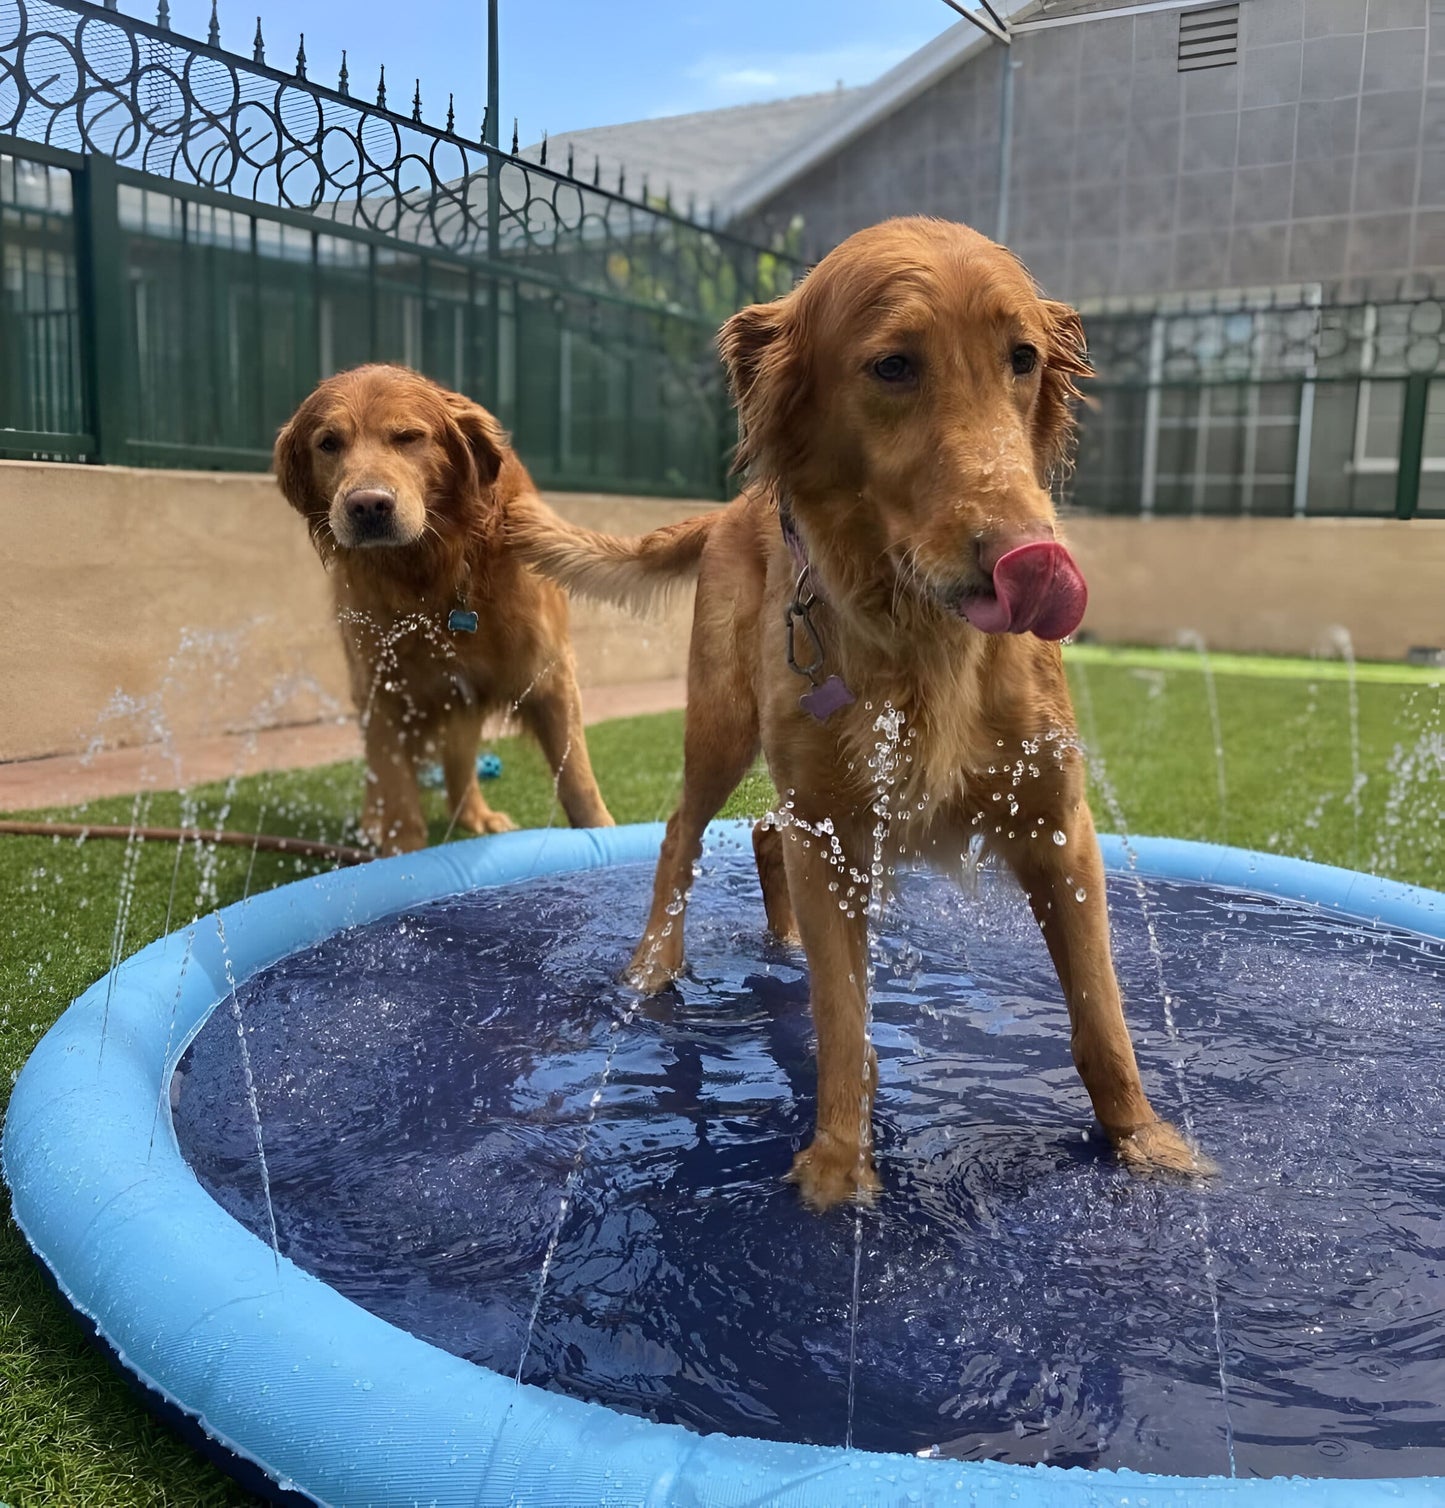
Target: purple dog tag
pixel 823 701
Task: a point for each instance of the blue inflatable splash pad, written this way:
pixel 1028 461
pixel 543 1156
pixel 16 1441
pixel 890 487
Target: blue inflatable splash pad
pixel 525 1239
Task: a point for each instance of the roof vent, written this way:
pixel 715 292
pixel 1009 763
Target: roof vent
pixel 1208 38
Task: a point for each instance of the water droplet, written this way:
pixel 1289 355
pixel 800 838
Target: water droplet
pixel 1060 836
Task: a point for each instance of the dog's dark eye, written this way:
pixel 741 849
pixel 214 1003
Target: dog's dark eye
pixel 1023 359
pixel 328 443
pixel 408 436
pixel 893 368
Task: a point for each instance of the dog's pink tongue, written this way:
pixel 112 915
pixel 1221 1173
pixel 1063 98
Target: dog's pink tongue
pixel 1037 589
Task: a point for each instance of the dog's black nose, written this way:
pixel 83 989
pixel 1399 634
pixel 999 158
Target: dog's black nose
pixel 370 507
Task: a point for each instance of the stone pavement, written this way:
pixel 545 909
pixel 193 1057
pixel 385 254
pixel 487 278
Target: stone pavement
pixel 67 780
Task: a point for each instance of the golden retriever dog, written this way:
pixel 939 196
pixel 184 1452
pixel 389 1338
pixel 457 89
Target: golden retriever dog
pixel 405 488
pixel 879 611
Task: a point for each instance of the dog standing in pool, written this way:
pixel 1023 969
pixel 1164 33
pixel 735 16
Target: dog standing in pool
pixel 880 611
pixel 405 488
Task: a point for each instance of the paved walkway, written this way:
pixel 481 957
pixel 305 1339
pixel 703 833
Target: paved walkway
pixel 67 780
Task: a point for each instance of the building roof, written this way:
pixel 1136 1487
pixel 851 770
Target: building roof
pixel 1049 9
pixel 729 162
pixel 901 84
pixel 703 158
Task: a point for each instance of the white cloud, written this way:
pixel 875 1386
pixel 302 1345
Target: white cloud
pixel 729 79
pixel 748 78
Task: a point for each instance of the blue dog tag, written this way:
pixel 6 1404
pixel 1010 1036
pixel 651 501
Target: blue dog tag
pixel 460 621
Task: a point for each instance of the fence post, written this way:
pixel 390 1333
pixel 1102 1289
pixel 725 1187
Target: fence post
pixel 492 398
pixel 1412 443
pixel 100 272
pixel 491 140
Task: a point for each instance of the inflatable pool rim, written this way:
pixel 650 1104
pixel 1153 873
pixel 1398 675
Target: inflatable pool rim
pixel 308 1397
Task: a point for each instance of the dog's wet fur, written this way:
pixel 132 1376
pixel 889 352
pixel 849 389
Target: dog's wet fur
pixel 406 488
pixel 906 407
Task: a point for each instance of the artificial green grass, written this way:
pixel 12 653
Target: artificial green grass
pixel 1290 783
pixel 70 1431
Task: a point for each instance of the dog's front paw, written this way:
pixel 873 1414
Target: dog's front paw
pixel 655 964
pixel 830 1172
pixel 485 822
pixel 1158 1149
pixel 388 841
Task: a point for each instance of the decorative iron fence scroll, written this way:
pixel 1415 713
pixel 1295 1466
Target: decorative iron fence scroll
pixel 190 237
pixel 1291 404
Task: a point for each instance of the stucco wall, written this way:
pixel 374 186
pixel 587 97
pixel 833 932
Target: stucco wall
pixel 1318 156
pixel 1267 585
pixel 137 604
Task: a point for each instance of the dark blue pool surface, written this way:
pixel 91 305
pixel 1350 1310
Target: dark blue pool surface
pixel 427 1084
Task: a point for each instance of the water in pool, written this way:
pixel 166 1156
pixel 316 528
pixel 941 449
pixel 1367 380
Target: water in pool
pixel 432 1085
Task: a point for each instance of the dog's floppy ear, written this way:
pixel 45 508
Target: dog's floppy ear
pixel 1065 359
pixel 484 440
pixel 291 461
pixel 758 351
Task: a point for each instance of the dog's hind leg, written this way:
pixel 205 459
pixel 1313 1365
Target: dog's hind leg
pixel 468 808
pixel 552 714
pixel 773 876
pixel 720 741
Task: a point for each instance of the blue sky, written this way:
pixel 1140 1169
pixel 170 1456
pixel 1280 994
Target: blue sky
pixel 568 64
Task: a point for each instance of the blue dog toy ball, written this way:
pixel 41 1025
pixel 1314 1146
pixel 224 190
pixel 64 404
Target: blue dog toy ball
pixel 489 766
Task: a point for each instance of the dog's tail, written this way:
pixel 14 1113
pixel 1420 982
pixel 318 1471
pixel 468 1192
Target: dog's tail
pixel 633 572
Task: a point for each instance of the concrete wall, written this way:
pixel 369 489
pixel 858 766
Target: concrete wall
pixel 138 604
pixel 1319 156
pixel 1268 585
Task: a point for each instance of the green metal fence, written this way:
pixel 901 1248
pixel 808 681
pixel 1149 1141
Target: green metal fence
pixel 190 239
pixel 41 387
pixel 1295 405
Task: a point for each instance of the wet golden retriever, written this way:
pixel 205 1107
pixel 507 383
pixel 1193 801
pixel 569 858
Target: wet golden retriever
pixel 880 611
pixel 405 488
